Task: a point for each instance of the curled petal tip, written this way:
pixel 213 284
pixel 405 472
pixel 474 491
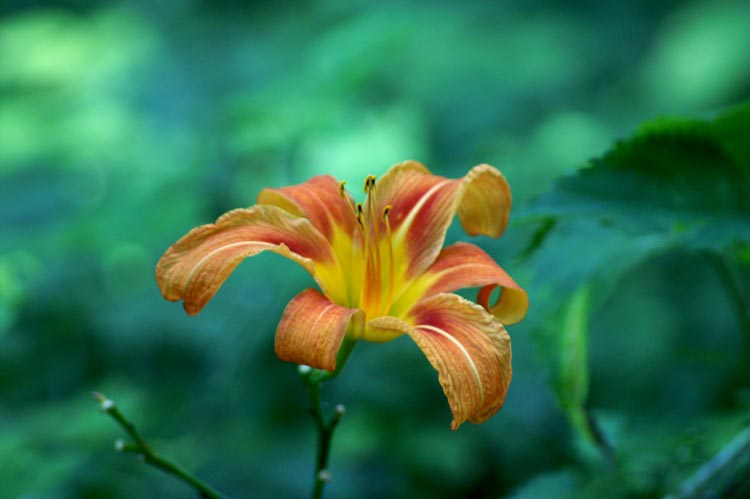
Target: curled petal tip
pixel 484 202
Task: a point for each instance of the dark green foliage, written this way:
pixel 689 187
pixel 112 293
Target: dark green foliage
pixel 675 197
pixel 684 182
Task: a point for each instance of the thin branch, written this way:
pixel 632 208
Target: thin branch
pixel 313 379
pixel 140 446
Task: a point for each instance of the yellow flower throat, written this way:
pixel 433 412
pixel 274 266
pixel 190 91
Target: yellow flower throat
pixel 373 265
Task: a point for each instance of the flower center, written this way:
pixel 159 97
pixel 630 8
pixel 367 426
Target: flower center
pixel 373 253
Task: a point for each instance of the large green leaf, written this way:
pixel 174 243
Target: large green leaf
pixel 681 182
pixel 675 185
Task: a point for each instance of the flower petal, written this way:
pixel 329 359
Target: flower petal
pixel 196 266
pixel 484 202
pixel 312 329
pixel 423 206
pixel 330 209
pixel 464 265
pixel 469 349
pixel 320 199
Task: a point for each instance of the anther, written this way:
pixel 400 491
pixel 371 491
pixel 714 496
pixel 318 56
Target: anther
pixel 369 183
pixel 341 188
pixel 386 211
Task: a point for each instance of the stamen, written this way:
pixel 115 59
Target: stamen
pixel 347 197
pixel 391 260
pixel 360 216
pixel 369 183
pixel 386 210
pixel 372 221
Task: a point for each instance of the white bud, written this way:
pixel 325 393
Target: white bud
pixel 303 369
pixel 119 445
pixel 324 476
pixel 340 410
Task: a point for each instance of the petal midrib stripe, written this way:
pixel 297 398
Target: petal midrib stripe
pixel 463 350
pixel 403 229
pixel 208 255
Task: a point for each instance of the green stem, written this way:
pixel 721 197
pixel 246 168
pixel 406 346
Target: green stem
pixel 325 428
pixel 313 379
pixel 140 447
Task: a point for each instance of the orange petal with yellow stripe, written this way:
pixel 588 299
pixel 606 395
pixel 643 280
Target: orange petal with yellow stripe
pixel 464 265
pixel 312 329
pixel 195 267
pixel 321 199
pixel 468 348
pixel 423 206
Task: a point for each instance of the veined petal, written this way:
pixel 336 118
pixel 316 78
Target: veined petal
pixel 469 349
pixel 423 206
pixel 320 199
pixel 330 209
pixel 312 329
pixel 195 267
pixel 464 265
pixel 484 202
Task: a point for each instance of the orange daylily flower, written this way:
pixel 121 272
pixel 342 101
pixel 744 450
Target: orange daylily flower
pixel 381 270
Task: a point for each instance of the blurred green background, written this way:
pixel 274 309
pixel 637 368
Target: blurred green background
pixel 124 124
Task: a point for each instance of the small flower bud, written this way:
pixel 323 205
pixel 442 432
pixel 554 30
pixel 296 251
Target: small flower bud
pixel 324 476
pixel 119 445
pixel 303 369
pixel 340 410
pixel 105 403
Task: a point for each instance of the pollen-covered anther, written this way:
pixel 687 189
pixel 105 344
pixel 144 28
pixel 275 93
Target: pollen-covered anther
pixel 386 211
pixel 369 183
pixel 359 214
pixel 342 188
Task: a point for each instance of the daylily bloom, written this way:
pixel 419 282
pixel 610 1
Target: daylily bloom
pixel 381 270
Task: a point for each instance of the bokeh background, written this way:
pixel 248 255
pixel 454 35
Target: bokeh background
pixel 125 124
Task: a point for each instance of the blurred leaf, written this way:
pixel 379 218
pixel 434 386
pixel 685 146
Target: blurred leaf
pixel 674 184
pixel 17 270
pixel 727 474
pixel 572 379
pixel 687 181
pixel 563 484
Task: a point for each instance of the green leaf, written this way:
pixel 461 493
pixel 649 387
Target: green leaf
pixel 685 182
pixel 676 184
pixel 572 379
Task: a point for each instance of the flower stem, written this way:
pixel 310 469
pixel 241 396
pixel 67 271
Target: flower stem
pixel 325 426
pixel 140 447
